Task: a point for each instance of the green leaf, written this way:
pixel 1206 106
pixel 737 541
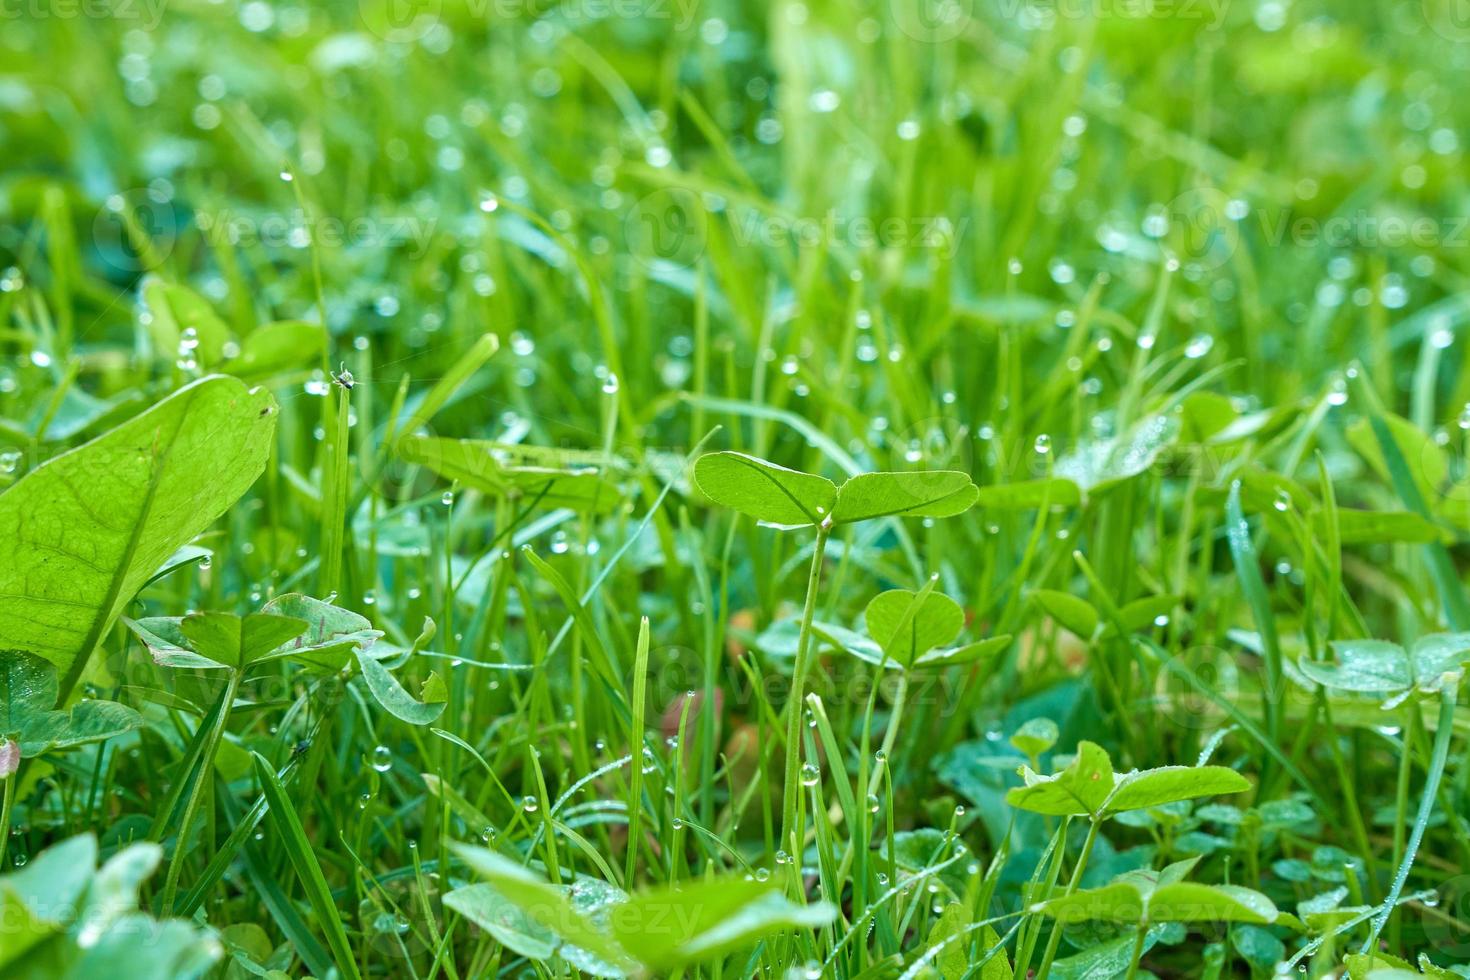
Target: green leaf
pixel 952 961
pixel 82 533
pixel 669 927
pixel 1097 466
pixel 1171 784
pixel 1035 736
pixel 503 919
pixel 273 348
pixel 543 903
pixel 174 308
pixel 27 689
pixel 474 463
pixel 302 856
pixel 239 642
pixel 907 625
pixel 390 694
pixel 1082 788
pixel 332 632
pixel 932 493
pixel 1363 666
pixel 1075 613
pixel 968 653
pixel 771 494
pixel 1147 897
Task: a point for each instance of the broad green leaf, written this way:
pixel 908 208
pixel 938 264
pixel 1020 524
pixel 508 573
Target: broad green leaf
pixel 1171 784
pixel 174 309
pixel 908 624
pixel 115 887
pixel 669 927
pixel 934 493
pixel 474 463
pixel 1035 736
pixel 1075 613
pixel 1144 898
pixel 543 903
pixel 1082 788
pixel 283 345
pixel 1257 946
pixel 952 961
pixel 28 689
pixel 1096 466
pixel 390 694
pixel 503 919
pixel 1363 666
pixel 40 899
pixel 82 533
pixel 771 494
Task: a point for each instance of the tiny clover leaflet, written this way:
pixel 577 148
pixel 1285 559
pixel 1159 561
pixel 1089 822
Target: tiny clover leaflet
pixel 1145 897
pixel 655 930
pixel 30 726
pixel 290 626
pixel 1384 668
pixel 912 631
pixel 787 499
pixel 1089 786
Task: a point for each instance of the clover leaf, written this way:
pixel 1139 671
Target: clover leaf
pixel 30 727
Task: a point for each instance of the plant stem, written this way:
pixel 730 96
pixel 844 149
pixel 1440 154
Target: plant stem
pixel 196 794
pixel 5 809
pixel 1444 729
pixel 791 788
pixel 1056 933
pixel 1137 951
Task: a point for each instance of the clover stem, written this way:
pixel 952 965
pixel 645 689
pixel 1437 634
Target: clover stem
pixel 1137 951
pixel 196 793
pixel 1076 879
pixel 1444 729
pixel 5 809
pixel 791 789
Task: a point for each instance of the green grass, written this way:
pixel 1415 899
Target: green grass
pixel 1181 289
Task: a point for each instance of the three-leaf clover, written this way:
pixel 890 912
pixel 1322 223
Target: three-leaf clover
pixel 1145 897
pixel 1089 786
pixel 291 626
pixel 1387 669
pixel 30 726
pixel 787 499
